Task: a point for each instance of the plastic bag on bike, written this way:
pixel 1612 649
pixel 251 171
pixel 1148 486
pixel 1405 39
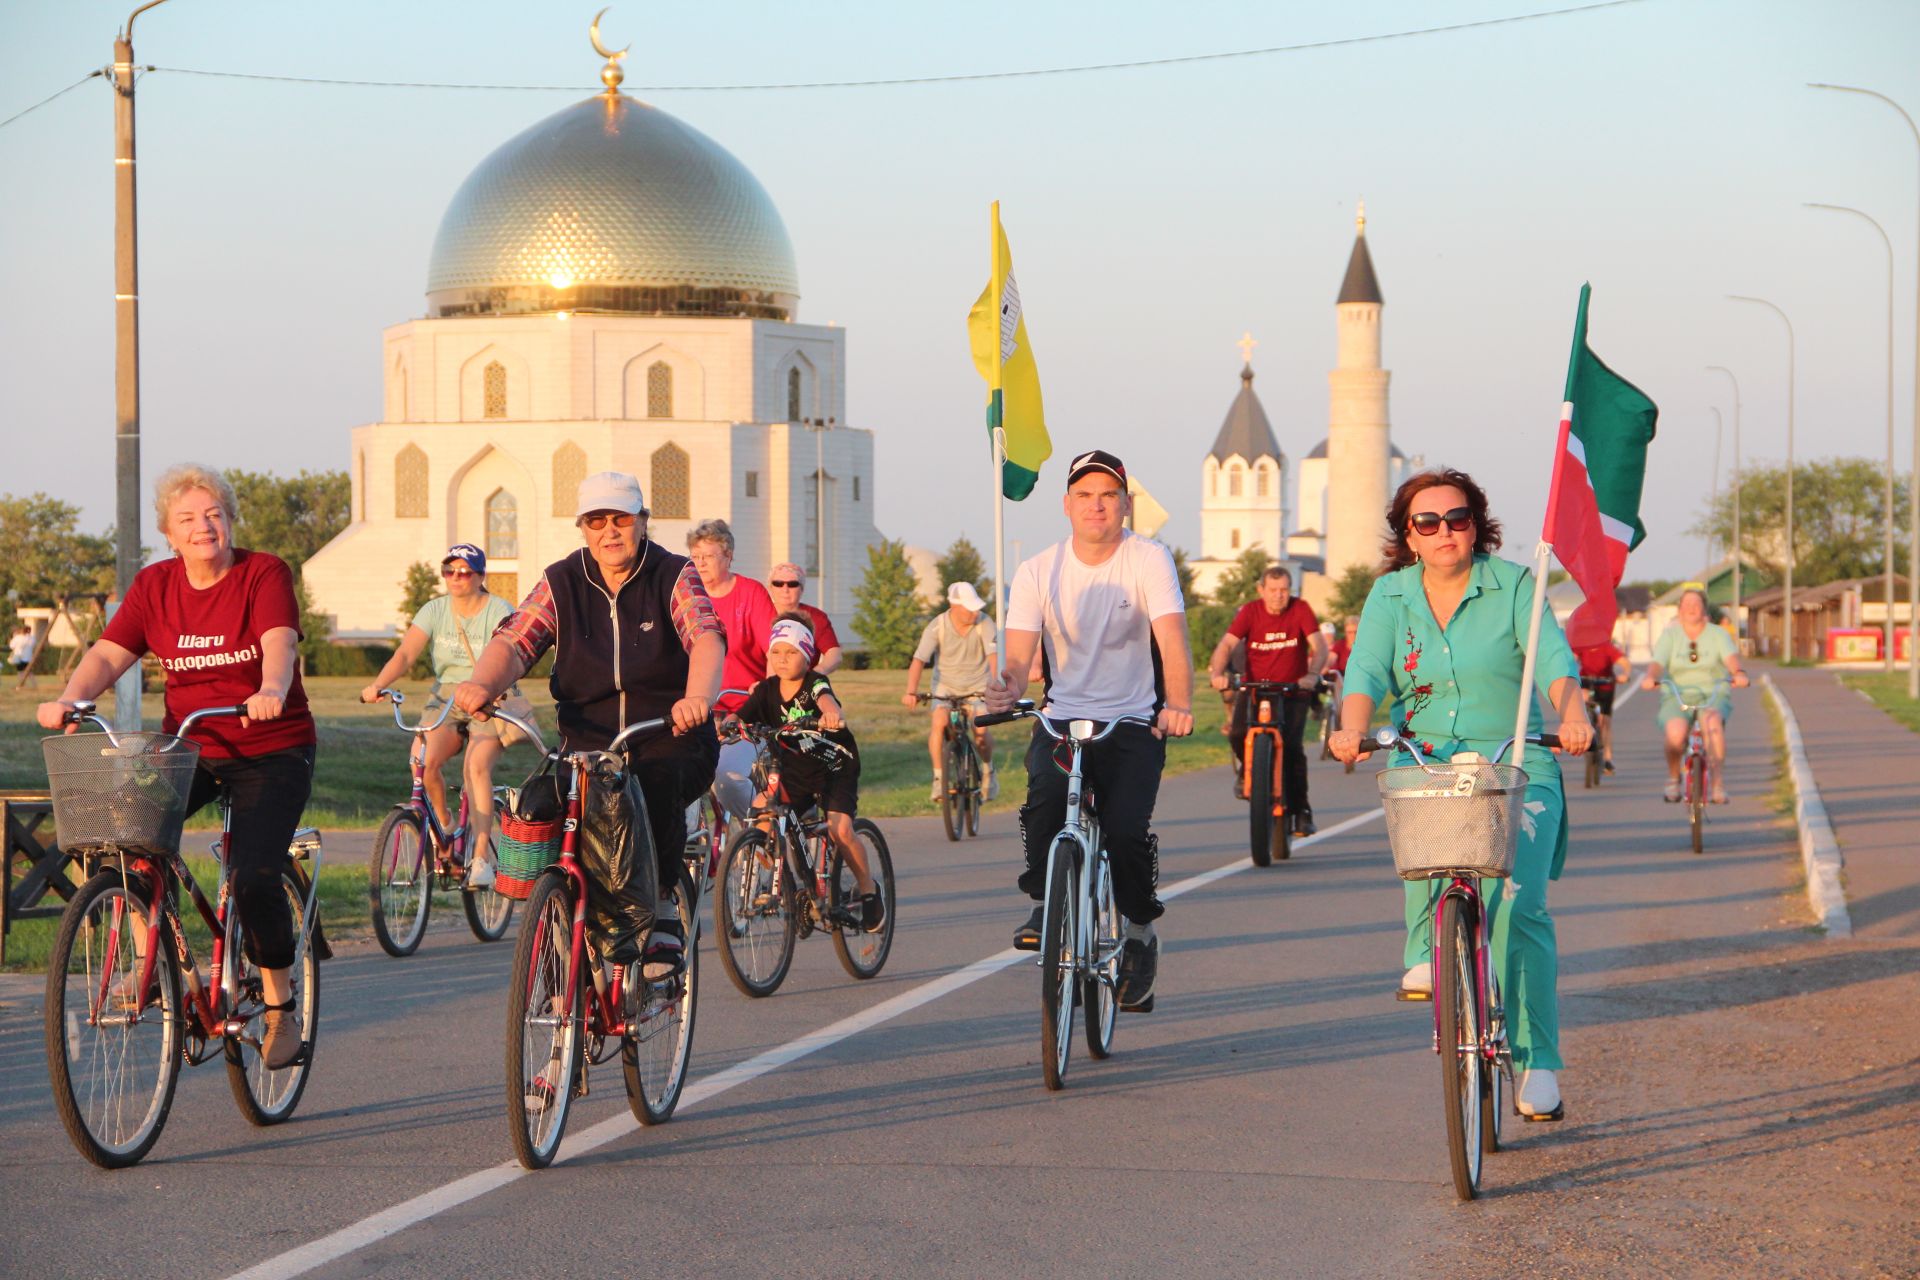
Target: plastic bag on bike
pixel 616 851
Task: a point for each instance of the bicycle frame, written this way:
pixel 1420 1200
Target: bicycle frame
pixel 810 842
pixel 449 853
pixel 1266 716
pixel 1696 748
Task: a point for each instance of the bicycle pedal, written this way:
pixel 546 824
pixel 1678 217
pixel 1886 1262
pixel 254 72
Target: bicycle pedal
pixel 1413 997
pixel 1145 1006
pixel 1558 1113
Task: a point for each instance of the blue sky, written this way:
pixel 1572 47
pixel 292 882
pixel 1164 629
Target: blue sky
pixel 1661 150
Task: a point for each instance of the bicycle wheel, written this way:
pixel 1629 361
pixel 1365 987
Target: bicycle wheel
pixel 1260 819
pixel 1098 989
pixel 113 1061
pixel 1327 728
pixel 1461 1065
pixel 951 768
pixel 543 1038
pixel 654 1056
pixel 864 954
pixel 400 883
pixel 266 1096
pixel 1494 1105
pixel 752 916
pixel 1057 967
pixel 488 914
pixel 1697 801
pixel 976 796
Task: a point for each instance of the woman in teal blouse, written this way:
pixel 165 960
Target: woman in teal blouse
pixel 1456 687
pixel 1697 656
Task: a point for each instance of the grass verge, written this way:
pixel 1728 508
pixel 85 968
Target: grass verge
pixel 1887 690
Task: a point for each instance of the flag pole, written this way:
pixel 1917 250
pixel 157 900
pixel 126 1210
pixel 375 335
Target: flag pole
pixel 999 551
pixel 1541 556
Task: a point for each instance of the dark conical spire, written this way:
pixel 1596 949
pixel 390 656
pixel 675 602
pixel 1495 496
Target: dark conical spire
pixel 1246 430
pixel 1361 285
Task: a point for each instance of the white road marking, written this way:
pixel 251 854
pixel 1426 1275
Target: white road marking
pixel 390 1221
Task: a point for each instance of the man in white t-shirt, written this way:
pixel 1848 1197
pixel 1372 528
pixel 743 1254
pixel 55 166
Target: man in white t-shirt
pixel 1104 607
pixel 959 645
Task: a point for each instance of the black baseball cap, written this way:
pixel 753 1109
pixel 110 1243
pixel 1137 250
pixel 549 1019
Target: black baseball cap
pixel 1096 460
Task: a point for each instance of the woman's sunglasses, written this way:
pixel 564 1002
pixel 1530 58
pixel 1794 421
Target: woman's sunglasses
pixel 450 572
pixel 779 582
pixel 621 520
pixel 1693 652
pixel 1460 519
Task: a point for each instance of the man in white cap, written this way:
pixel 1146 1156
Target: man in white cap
pixel 962 642
pixel 634 638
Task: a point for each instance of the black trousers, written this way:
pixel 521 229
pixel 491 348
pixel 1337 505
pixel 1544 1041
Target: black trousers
pixel 269 794
pixel 1293 724
pixel 1124 774
pixel 673 772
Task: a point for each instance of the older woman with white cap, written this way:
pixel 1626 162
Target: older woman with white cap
pixel 635 638
pixel 962 643
pixel 786 582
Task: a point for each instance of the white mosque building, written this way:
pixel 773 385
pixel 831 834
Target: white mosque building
pixel 1340 488
pixel 609 291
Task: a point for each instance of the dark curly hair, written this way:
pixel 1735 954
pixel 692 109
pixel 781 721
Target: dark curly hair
pixel 1395 551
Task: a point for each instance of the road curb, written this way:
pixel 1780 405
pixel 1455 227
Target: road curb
pixel 1819 850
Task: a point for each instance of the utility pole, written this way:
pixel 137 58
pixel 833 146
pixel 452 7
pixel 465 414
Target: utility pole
pixel 1786 601
pixel 126 357
pixel 1736 494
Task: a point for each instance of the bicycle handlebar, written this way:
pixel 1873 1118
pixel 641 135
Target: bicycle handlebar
pixel 955 698
pixel 1385 738
pixel 1285 688
pixel 1681 698
pixel 1025 708
pixel 397 697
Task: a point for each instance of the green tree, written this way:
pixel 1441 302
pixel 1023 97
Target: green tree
pixel 962 563
pixel 1350 593
pixel 1186 573
pixel 1837 519
pixel 888 612
pixel 45 559
pixel 1242 582
pixel 291 517
pixel 421 584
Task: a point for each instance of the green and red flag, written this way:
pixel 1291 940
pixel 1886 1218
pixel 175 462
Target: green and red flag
pixel 1593 508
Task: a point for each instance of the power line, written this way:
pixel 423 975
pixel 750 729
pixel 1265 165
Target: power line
pixel 920 80
pixel 50 97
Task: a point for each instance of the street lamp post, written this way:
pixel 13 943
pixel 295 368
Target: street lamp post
pixel 126 361
pixel 1887 513
pixel 1736 493
pixel 1786 589
pixel 1713 488
pixel 1913 481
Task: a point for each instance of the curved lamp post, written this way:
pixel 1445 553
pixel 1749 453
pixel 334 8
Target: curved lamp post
pixel 1713 368
pixel 1786 595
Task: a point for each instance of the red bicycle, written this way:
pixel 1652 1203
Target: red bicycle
pixel 117 1027
pixel 564 1015
pixel 413 855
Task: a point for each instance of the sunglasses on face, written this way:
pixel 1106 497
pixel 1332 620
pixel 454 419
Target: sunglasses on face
pixel 776 582
pixel 1460 519
pixel 621 520
pixel 456 573
pixel 1693 653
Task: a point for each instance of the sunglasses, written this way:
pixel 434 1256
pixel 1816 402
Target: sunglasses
pixel 1693 653
pixel 777 582
pixel 621 520
pixel 1460 519
pixel 456 573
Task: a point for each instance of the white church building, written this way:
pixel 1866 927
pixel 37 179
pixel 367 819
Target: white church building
pixel 609 291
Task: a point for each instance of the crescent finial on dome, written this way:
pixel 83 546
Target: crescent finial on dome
pixel 610 75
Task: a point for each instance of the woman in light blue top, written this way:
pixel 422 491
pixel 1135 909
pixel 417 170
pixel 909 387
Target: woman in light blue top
pixel 1456 687
pixel 452 630
pixel 1697 656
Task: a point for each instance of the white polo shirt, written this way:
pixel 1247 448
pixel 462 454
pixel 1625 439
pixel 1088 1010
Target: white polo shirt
pixel 1096 624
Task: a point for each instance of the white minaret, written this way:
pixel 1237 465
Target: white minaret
pixel 1358 450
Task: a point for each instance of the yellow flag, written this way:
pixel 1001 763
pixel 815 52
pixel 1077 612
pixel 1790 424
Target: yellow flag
pixel 997 332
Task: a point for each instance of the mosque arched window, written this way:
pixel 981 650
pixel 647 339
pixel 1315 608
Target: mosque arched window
pixel 1235 540
pixel 503 526
pixel 410 483
pixel 569 469
pixel 659 389
pixel 1260 482
pixel 1234 480
pixel 493 390
pixel 793 395
pixel 671 496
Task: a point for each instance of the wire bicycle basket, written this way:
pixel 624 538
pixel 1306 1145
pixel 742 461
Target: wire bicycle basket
pixel 126 790
pixel 1453 818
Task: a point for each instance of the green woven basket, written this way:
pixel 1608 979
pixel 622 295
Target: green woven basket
pixel 524 849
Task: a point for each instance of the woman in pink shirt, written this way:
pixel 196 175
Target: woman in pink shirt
pixel 747 613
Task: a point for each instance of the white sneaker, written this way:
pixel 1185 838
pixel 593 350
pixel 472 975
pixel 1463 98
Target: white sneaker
pixel 480 874
pixel 939 789
pixel 1419 978
pixel 1538 1097
pixel 990 782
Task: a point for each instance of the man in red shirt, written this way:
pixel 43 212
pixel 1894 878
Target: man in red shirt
pixel 1602 666
pixel 1284 646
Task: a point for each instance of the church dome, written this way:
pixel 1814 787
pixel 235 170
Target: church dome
pixel 612 205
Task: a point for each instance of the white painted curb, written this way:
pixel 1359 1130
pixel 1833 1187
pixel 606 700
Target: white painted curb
pixel 1819 851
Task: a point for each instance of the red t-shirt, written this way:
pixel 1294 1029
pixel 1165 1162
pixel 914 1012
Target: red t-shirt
pixel 1597 660
pixel 1337 654
pixel 823 637
pixel 1276 642
pixel 209 643
pixel 747 613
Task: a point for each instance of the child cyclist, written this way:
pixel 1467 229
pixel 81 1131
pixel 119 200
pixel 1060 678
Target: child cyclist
pixel 795 694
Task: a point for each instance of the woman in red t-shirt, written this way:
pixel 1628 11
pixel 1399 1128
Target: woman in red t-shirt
pixel 746 613
pixel 225 625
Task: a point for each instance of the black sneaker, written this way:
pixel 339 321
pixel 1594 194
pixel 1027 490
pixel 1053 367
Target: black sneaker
pixel 1139 964
pixel 1303 824
pixel 873 912
pixel 1607 767
pixel 1027 936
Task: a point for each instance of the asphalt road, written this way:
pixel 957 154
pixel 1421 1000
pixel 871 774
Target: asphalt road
pixel 1277 1114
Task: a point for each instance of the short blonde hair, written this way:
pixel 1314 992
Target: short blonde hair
pixel 711 531
pixel 185 477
